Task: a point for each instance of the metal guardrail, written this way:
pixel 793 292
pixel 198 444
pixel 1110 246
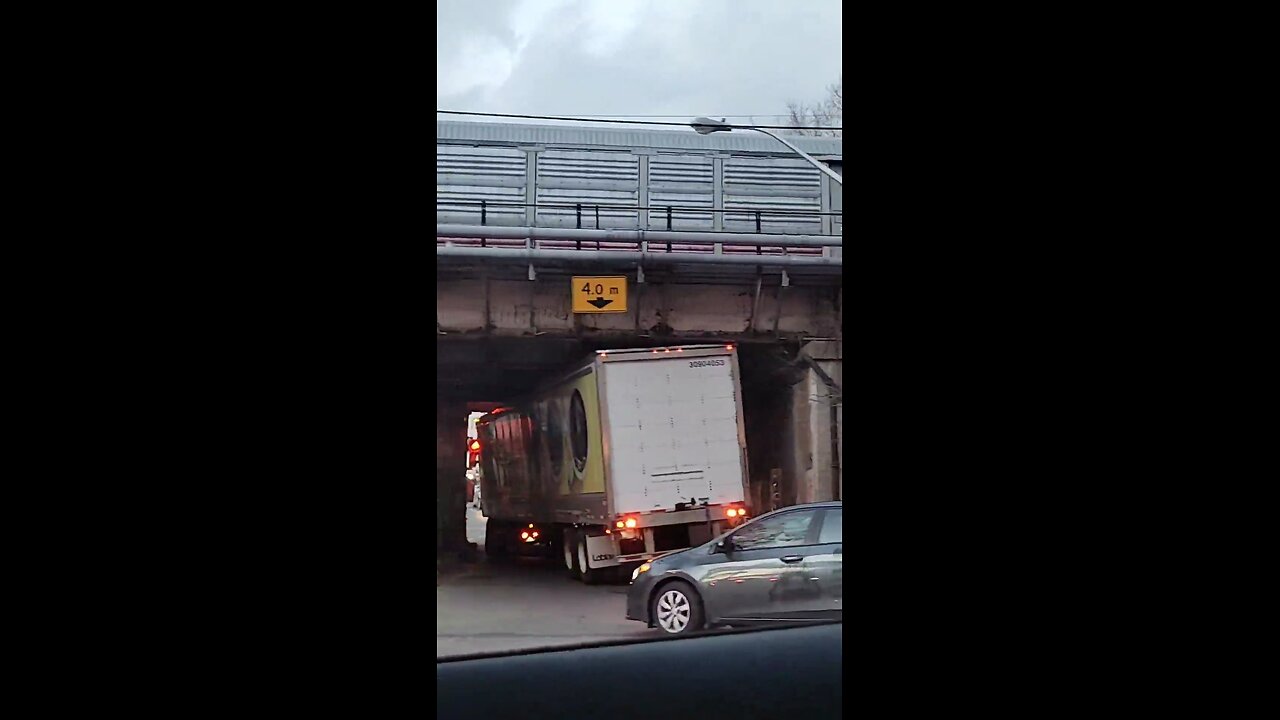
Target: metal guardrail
pixel 597 207
pixel 637 240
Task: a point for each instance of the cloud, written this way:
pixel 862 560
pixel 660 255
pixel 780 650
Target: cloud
pixel 680 57
pixel 608 25
pixel 473 49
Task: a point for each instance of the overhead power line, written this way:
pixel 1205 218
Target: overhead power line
pixel 625 122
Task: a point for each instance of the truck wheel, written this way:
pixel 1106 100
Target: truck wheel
pixel 569 541
pixel 551 549
pixel 676 609
pixel 585 573
pixel 495 540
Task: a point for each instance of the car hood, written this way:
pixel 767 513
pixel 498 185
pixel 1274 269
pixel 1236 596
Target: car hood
pixel 674 554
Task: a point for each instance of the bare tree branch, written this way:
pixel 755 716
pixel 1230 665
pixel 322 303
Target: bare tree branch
pixel 827 113
pixel 798 116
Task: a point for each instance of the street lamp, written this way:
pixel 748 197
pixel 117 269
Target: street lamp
pixel 706 126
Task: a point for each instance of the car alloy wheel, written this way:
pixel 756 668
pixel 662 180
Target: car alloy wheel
pixel 674 611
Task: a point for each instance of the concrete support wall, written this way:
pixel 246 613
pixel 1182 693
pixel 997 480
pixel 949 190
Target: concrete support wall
pixel 839 377
pixel 799 470
pixel 451 461
pixel 840 440
pixel 794 433
pixel 814 457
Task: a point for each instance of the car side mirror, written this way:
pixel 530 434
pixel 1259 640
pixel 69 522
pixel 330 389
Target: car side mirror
pixel 725 546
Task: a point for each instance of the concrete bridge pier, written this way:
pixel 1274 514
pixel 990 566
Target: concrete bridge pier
pixel 450 480
pixel 818 416
pixel 794 423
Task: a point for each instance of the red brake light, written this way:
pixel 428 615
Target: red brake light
pixel 475 444
pixel 631 522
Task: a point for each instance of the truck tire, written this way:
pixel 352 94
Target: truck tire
pixel 495 536
pixel 585 573
pixel 569 547
pixel 552 550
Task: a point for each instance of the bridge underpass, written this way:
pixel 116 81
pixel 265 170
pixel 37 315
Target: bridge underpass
pixel 504 326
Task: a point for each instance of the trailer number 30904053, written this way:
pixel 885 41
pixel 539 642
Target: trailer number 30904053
pixel 706 363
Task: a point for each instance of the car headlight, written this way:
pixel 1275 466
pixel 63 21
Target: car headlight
pixel 644 568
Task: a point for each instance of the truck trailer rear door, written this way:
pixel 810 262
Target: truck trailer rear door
pixel 673 431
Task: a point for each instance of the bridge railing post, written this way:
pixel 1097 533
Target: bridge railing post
pixel 668 226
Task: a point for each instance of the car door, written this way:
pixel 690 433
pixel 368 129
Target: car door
pixel 824 564
pixel 764 576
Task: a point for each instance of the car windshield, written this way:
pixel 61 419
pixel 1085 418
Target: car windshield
pixel 639 320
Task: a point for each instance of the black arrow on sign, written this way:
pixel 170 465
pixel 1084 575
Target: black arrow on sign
pixel 599 302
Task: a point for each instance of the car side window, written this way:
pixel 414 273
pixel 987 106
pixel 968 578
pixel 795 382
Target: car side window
pixel 831 528
pixel 785 530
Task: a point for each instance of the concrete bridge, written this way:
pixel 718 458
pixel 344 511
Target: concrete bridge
pixel 504 296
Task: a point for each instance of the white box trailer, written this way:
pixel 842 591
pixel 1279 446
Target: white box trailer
pixel 631 455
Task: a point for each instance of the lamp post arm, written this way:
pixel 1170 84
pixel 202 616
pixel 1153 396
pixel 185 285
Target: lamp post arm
pixel 828 171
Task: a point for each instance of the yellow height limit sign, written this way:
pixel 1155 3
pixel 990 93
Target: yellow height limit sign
pixel 600 294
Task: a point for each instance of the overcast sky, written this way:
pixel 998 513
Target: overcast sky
pixel 683 58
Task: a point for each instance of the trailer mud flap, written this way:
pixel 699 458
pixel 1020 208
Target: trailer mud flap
pixel 601 552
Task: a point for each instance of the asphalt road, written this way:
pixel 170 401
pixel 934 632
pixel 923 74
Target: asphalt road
pixel 524 603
